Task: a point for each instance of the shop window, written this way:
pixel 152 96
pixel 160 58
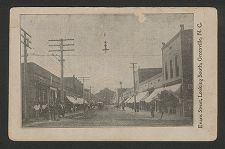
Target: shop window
pixel 190 86
pixel 171 69
pixel 176 65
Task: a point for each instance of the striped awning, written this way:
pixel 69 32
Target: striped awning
pixel 154 94
pixel 141 96
pixel 174 89
pixel 75 100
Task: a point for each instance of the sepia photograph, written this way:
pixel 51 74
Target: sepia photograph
pixel 112 72
pixel 107 70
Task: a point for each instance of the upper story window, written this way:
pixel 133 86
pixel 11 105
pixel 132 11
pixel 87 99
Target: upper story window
pixel 166 71
pixel 171 69
pixel 176 65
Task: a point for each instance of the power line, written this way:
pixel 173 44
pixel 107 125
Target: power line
pixel 61 45
pixel 83 78
pixel 34 54
pixel 123 55
pixel 26 44
pixel 53 58
pixel 133 66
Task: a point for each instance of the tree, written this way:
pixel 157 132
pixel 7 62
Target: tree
pixel 106 96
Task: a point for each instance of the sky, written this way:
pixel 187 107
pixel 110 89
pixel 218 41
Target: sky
pixel 129 40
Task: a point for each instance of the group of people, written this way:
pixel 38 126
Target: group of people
pixel 53 111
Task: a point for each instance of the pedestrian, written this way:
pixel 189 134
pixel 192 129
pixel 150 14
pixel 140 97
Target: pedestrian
pixel 52 111
pixel 147 107
pixel 75 108
pixel 57 110
pixel 137 106
pixel 62 109
pixel 152 109
pixel 37 110
pixel 123 106
pixel 44 110
pixel 162 109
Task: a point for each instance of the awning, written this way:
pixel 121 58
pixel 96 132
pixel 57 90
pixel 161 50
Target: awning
pixel 75 100
pixel 131 100
pixel 174 89
pixel 154 94
pixel 71 99
pixel 120 101
pixel 141 96
pixel 126 101
pixel 81 101
pixel 85 101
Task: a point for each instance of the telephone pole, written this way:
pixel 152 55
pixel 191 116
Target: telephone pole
pixel 83 80
pixel 120 93
pixel 61 46
pixel 90 93
pixel 26 41
pixel 133 66
pixel 121 83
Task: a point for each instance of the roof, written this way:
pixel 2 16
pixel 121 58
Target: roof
pixel 146 73
pixel 174 89
pixel 37 67
pixel 75 100
pixel 72 79
pixel 175 37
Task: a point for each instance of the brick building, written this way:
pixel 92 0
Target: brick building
pixel 143 74
pixel 151 83
pixel 41 87
pixel 177 63
pixel 44 87
pixel 73 86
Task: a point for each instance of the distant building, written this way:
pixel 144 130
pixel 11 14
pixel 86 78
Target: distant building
pixel 106 96
pixel 128 93
pixel 86 94
pixel 150 84
pixel 177 61
pixel 119 95
pixel 73 86
pixel 143 74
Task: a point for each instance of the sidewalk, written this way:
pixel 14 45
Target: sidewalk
pixel 147 115
pixel 72 114
pixel 34 121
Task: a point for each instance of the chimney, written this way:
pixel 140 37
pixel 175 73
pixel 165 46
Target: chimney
pixel 181 27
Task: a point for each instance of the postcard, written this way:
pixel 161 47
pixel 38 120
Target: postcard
pixel 113 74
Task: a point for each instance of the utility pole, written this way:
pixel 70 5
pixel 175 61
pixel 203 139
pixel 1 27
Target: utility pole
pixel 26 41
pixel 105 45
pixel 120 93
pixel 133 66
pixel 90 93
pixel 61 49
pixel 121 83
pixel 84 79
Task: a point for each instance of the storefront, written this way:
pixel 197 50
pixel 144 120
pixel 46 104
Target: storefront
pixel 153 99
pixel 41 90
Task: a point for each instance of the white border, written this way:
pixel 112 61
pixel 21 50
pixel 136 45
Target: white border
pixel 209 133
